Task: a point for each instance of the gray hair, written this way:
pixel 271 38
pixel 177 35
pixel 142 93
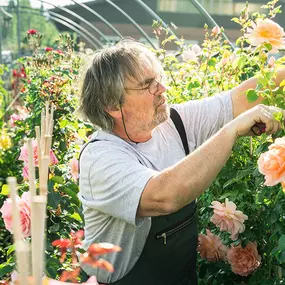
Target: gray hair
pixel 103 83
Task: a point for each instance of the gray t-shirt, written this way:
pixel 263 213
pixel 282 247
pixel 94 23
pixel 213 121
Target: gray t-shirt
pixel 114 173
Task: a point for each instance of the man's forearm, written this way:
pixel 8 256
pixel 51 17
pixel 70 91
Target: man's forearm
pixel 177 186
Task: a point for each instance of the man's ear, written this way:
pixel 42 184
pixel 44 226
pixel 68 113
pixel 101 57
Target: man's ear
pixel 114 112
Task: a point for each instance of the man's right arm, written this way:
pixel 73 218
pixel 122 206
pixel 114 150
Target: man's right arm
pixel 176 186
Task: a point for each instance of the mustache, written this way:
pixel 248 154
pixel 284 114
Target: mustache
pixel 160 100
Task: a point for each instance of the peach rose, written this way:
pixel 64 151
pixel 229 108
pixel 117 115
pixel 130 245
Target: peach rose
pixel 24 206
pixel 272 163
pixel 74 168
pixel 24 154
pixel 266 31
pixel 227 218
pixel 244 260
pixel 211 248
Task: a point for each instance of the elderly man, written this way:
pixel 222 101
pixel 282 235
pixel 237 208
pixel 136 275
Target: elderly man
pixel 142 171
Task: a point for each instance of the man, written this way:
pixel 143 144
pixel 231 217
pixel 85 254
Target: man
pixel 137 186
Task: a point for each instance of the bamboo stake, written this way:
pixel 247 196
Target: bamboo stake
pixel 38 236
pixel 38 138
pixel 21 247
pixel 44 174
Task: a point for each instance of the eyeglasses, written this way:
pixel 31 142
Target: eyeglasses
pixel 152 87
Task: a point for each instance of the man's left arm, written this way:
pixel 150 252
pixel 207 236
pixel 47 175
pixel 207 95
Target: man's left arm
pixel 239 99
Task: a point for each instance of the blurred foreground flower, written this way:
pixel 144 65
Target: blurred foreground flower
pixel 244 260
pixel 227 218
pixel 24 205
pixel 272 163
pixel 73 164
pixel 24 157
pixel 266 31
pixel 211 248
pixel 5 141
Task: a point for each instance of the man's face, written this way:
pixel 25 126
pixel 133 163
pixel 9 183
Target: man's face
pixel 145 105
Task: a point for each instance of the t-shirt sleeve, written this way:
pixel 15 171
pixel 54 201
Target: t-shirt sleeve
pixel 203 118
pixel 112 180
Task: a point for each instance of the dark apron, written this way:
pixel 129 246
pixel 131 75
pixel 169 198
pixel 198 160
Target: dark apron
pixel 169 254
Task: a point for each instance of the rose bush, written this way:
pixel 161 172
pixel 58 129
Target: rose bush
pixel 217 68
pixel 256 256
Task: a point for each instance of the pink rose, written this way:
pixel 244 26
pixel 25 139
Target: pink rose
pixel 25 173
pixel 24 206
pixel 227 218
pixel 24 154
pixel 74 168
pixel 266 31
pixel 271 61
pixel 272 163
pixel 14 118
pixel 244 260
pixel 211 248
pixel 192 55
pixel 216 30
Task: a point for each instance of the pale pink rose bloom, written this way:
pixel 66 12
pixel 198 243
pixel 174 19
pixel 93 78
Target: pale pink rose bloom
pixel 23 204
pixel 211 248
pixel 272 163
pixel 266 31
pixel 227 218
pixel 271 61
pixel 189 55
pixel 196 49
pixel 74 168
pixel 244 260
pixel 24 154
pixel 14 118
pixel 216 30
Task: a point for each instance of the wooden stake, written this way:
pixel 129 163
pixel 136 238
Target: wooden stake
pixel 20 246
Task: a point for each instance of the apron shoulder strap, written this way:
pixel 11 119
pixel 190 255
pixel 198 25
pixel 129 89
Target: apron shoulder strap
pixel 175 117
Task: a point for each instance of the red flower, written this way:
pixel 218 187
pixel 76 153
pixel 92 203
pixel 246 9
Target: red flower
pixel 102 248
pixel 62 243
pixel 59 51
pixel 32 32
pixel 15 73
pixel 48 49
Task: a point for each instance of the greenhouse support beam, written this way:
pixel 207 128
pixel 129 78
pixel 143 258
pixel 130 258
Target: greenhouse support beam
pixel 132 21
pixel 100 17
pixel 210 19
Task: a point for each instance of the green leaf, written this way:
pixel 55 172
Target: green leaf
pixel 281 243
pixel 54 228
pixel 63 123
pixel 76 216
pixel 5 190
pixel 251 95
pixel 11 249
pixel 241 61
pixel 54 199
pixel 268 46
pixel 58 180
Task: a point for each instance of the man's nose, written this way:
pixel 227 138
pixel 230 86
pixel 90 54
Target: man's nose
pixel 161 87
